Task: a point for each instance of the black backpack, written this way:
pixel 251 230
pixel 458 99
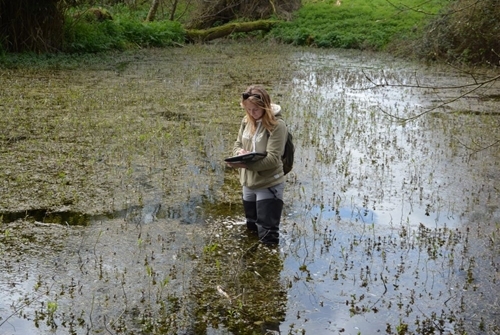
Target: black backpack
pixel 289 154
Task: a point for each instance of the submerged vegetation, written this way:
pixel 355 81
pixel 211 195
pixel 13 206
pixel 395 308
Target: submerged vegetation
pixel 119 216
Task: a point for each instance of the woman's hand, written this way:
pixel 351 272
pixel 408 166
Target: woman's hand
pixel 237 165
pixel 243 152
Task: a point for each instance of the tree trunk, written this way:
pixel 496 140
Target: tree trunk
pixel 174 8
pixel 210 13
pixel 31 25
pixel 196 35
pixel 152 11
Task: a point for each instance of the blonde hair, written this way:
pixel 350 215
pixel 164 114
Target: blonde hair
pixel 258 96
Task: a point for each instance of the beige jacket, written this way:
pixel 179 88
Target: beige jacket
pixel 267 171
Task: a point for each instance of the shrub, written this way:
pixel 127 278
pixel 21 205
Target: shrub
pixel 82 36
pixel 153 34
pixel 86 35
pixel 466 31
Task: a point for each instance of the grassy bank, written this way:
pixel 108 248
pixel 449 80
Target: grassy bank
pixel 360 24
pixel 434 29
pixel 355 24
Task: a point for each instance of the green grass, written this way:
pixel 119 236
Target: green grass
pixel 354 24
pixel 82 36
pixel 357 24
pixel 127 30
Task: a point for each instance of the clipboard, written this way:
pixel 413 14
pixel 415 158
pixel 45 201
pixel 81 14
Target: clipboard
pixel 253 156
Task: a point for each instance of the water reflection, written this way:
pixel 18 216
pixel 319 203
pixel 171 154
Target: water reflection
pixel 47 216
pixel 238 286
pixel 408 180
pixel 188 212
pixel 355 214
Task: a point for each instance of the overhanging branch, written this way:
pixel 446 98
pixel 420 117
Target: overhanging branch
pixel 472 87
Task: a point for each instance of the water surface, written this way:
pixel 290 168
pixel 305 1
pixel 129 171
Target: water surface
pixel 120 216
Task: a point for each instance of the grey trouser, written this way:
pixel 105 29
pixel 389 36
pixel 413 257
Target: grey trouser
pixel 273 192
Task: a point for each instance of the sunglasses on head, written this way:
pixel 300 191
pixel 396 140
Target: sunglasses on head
pixel 248 95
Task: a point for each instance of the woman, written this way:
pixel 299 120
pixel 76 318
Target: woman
pixel 262 130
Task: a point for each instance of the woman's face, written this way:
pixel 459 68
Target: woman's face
pixel 255 111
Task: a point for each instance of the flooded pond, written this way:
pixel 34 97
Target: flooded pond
pixel 118 215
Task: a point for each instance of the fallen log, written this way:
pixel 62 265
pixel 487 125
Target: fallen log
pixel 204 35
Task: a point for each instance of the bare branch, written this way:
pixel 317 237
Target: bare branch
pixel 474 86
pixel 418 10
pixel 414 8
pixel 447 102
pixel 478 148
pixel 475 83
